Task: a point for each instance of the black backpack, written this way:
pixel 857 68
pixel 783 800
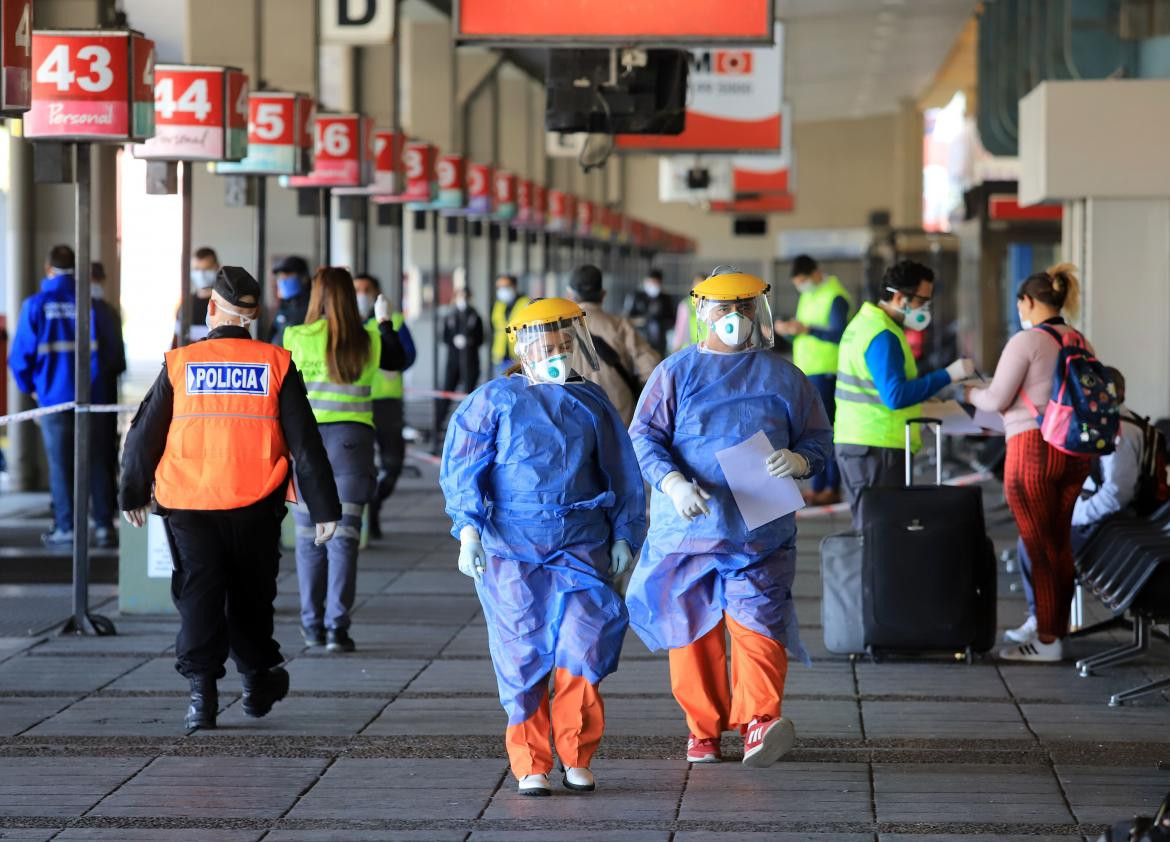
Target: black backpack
pixel 609 356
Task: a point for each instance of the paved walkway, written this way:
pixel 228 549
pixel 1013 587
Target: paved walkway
pixel 403 740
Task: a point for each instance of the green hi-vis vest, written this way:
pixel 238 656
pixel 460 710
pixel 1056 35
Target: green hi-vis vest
pixel 810 354
pixel 862 418
pixel 501 314
pixel 333 402
pixel 388 384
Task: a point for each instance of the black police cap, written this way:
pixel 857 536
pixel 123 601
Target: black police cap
pixel 238 288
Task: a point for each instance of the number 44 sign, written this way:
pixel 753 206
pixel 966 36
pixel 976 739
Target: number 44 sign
pixel 16 56
pixel 200 114
pixel 91 85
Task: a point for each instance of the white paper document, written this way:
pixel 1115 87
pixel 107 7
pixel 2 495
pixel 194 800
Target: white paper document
pixel 761 497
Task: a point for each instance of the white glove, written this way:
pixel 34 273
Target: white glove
pixel 688 498
pixel 381 309
pixel 786 463
pixel 472 560
pixel 460 341
pixel 961 369
pixel 620 556
pixel 325 532
pixel 136 517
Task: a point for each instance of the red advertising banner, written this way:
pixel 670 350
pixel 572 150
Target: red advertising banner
pixel 16 17
pixel 760 174
pixel 195 111
pixel 343 152
pixel 585 22
pixel 87 83
pixel 774 203
pixel 1007 206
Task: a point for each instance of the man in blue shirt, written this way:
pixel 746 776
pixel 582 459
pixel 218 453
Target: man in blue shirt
pixel 42 364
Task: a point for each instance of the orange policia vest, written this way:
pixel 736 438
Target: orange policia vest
pixel 225 447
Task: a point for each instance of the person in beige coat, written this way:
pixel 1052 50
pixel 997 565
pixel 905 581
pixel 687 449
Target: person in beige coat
pixel 627 360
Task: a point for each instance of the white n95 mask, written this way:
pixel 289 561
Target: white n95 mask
pixel 554 369
pixel 917 318
pixel 733 330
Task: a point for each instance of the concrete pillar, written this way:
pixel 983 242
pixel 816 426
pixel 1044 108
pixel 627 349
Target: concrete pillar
pixel 20 273
pixel 908 135
pixel 1120 246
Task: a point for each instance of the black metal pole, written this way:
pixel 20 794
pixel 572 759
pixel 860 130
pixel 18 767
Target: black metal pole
pixel 435 328
pixel 324 206
pixel 82 622
pixel 260 239
pixel 186 176
pixel 361 224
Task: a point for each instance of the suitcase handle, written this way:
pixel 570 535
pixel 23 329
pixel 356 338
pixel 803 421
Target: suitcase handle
pixel 910 422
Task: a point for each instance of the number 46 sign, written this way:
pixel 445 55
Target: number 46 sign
pixel 91 85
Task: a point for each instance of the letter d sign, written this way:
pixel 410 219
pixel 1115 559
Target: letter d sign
pixel 357 21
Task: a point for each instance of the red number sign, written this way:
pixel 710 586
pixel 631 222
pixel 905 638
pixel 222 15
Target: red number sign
pixel 343 153
pixel 196 109
pixel 16 56
pixel 505 188
pixel 585 216
pixel 86 83
pixel 479 188
pixel 274 134
pixel 451 171
pixel 419 159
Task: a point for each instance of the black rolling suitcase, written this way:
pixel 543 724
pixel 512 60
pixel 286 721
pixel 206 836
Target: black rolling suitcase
pixel 928 564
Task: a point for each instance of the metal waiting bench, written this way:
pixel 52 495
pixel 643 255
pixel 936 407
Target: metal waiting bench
pixel 1127 566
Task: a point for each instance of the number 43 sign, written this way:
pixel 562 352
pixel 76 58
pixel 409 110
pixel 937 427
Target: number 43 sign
pixel 91 85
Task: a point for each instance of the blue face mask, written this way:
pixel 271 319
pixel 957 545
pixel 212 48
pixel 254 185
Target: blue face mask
pixel 289 286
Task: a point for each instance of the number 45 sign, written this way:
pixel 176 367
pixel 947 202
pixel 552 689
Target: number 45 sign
pixel 15 56
pixel 91 85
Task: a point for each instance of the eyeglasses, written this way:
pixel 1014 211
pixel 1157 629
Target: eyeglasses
pixel 925 299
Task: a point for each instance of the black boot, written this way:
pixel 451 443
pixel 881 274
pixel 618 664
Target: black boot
pixel 204 704
pixel 264 689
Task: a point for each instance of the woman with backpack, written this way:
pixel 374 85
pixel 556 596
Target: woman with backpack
pixel 1048 451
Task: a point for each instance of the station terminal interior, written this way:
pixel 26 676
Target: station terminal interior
pixel 719 419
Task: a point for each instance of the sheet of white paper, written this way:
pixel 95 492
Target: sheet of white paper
pixel 761 497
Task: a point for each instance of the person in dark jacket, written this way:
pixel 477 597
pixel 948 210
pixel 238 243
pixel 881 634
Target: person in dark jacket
pixel 209 450
pixel 103 426
pixel 42 362
pixel 652 311
pixel 463 337
pixel 292 288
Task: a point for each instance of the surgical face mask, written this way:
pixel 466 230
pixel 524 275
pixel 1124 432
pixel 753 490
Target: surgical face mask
pixel 506 294
pixel 460 304
pixel 365 305
pixel 652 289
pixel 733 330
pixel 202 279
pixel 96 292
pixel 289 286
pixel 916 318
pixel 805 286
pixel 244 320
pixel 553 369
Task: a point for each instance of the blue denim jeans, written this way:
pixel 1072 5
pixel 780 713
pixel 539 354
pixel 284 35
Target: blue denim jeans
pixel 57 432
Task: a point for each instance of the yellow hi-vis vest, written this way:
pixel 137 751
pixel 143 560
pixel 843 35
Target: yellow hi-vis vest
pixel 501 314
pixel 811 354
pixel 331 401
pixel 862 418
pixel 388 384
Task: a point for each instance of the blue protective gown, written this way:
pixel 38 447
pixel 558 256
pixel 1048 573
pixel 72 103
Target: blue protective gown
pixel 548 476
pixel 691 573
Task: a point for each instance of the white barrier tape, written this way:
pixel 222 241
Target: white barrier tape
pixel 41 411
pixel 435 393
pixel 424 456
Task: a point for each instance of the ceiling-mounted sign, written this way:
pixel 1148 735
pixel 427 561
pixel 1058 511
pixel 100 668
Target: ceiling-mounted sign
pixel 276 135
pixel 734 103
pixel 452 174
pixel 95 84
pixel 419 160
pixel 200 114
pixel 387 178
pixel 504 190
pixel 357 21
pixel 16 17
pixel 479 189
pixel 1006 206
pixel 343 152
pixel 562 212
pixel 761 174
pixel 586 213
pixel 607 22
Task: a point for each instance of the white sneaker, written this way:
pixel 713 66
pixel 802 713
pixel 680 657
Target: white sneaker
pixel 579 779
pixel 1024 634
pixel 535 785
pixel 1034 650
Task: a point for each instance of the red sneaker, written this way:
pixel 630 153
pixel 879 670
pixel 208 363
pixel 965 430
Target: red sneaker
pixel 703 750
pixel 767 740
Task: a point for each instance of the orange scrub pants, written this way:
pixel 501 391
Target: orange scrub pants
pixel 576 717
pixel 698 678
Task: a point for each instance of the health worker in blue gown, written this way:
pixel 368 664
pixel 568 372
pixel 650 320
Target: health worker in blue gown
pixel 542 487
pixel 704 574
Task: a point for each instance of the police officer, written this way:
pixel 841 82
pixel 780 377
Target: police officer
pixel 213 436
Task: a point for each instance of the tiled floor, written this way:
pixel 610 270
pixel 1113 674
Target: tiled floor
pixel 403 740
